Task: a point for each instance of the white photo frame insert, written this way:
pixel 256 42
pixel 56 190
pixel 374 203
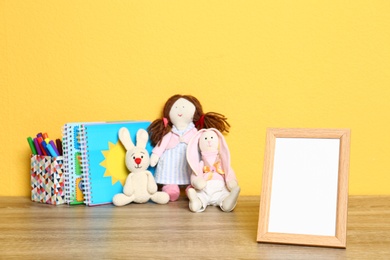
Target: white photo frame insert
pixel 305 187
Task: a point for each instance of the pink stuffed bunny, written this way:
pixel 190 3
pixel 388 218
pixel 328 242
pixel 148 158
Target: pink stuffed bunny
pixel 214 181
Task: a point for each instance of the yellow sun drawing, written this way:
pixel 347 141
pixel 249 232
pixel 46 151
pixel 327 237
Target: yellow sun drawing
pixel 114 163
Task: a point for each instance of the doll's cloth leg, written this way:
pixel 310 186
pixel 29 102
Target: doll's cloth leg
pixel 160 197
pixel 122 199
pixel 187 188
pixel 173 191
pixel 195 204
pixel 230 202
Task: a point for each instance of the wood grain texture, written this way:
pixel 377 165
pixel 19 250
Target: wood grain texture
pixel 30 230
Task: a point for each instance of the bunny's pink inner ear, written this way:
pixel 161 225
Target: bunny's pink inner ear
pixel 223 151
pixel 193 153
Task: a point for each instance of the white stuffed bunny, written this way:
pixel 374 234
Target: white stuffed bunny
pixel 140 185
pixel 214 181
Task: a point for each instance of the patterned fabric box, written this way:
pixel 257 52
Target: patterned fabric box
pixel 47 179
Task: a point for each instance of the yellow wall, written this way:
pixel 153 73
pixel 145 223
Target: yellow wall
pixel 268 63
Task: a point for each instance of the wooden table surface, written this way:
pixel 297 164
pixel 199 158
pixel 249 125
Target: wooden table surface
pixel 30 230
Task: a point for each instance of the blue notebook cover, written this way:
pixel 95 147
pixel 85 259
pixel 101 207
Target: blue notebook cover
pixel 103 159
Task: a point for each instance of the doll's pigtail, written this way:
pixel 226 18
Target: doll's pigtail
pixel 157 129
pixel 213 120
pixel 161 126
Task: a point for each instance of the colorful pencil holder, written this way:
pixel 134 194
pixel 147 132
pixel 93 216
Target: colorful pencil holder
pixel 47 179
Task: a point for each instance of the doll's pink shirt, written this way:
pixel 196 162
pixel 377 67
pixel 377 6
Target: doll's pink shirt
pixel 171 139
pixel 212 157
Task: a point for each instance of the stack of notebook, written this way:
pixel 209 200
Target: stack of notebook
pixel 94 160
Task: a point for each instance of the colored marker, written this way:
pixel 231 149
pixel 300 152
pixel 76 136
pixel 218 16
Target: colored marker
pixel 41 143
pixel 39 135
pixel 51 150
pixel 48 141
pixel 59 146
pixel 32 147
pixel 45 136
pixel 44 145
pixel 37 147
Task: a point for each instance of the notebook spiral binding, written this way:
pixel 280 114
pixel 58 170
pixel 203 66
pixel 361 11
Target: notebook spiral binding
pixel 73 171
pixel 85 166
pixel 65 140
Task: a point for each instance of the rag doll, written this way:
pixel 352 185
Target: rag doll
pixel 140 185
pixel 182 116
pixel 214 181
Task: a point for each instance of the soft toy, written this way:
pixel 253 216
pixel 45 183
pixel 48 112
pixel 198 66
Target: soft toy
pixel 140 185
pixel 181 118
pixel 214 181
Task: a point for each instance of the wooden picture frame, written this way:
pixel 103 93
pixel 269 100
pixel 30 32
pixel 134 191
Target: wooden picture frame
pixel 304 196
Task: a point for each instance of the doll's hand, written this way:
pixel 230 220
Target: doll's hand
pixel 154 160
pixel 231 184
pixel 199 183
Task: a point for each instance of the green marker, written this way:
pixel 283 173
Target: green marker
pixel 32 147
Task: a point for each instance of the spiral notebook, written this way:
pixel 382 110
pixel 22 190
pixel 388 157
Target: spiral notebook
pixel 72 165
pixel 103 159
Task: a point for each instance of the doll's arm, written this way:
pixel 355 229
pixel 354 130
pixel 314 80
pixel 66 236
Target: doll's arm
pixel 128 187
pixel 154 159
pixel 159 149
pixel 198 183
pixel 151 186
pixel 231 180
pixel 197 179
pixel 231 184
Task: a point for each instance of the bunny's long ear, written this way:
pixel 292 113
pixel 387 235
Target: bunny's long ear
pixel 142 138
pixel 224 152
pixel 193 152
pixel 124 137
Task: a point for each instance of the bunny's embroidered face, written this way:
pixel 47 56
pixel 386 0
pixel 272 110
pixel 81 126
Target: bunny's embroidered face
pixel 208 141
pixel 182 113
pixel 137 160
pixel 137 157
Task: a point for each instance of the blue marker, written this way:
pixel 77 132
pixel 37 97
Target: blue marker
pixel 44 146
pixel 48 141
pixel 51 150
